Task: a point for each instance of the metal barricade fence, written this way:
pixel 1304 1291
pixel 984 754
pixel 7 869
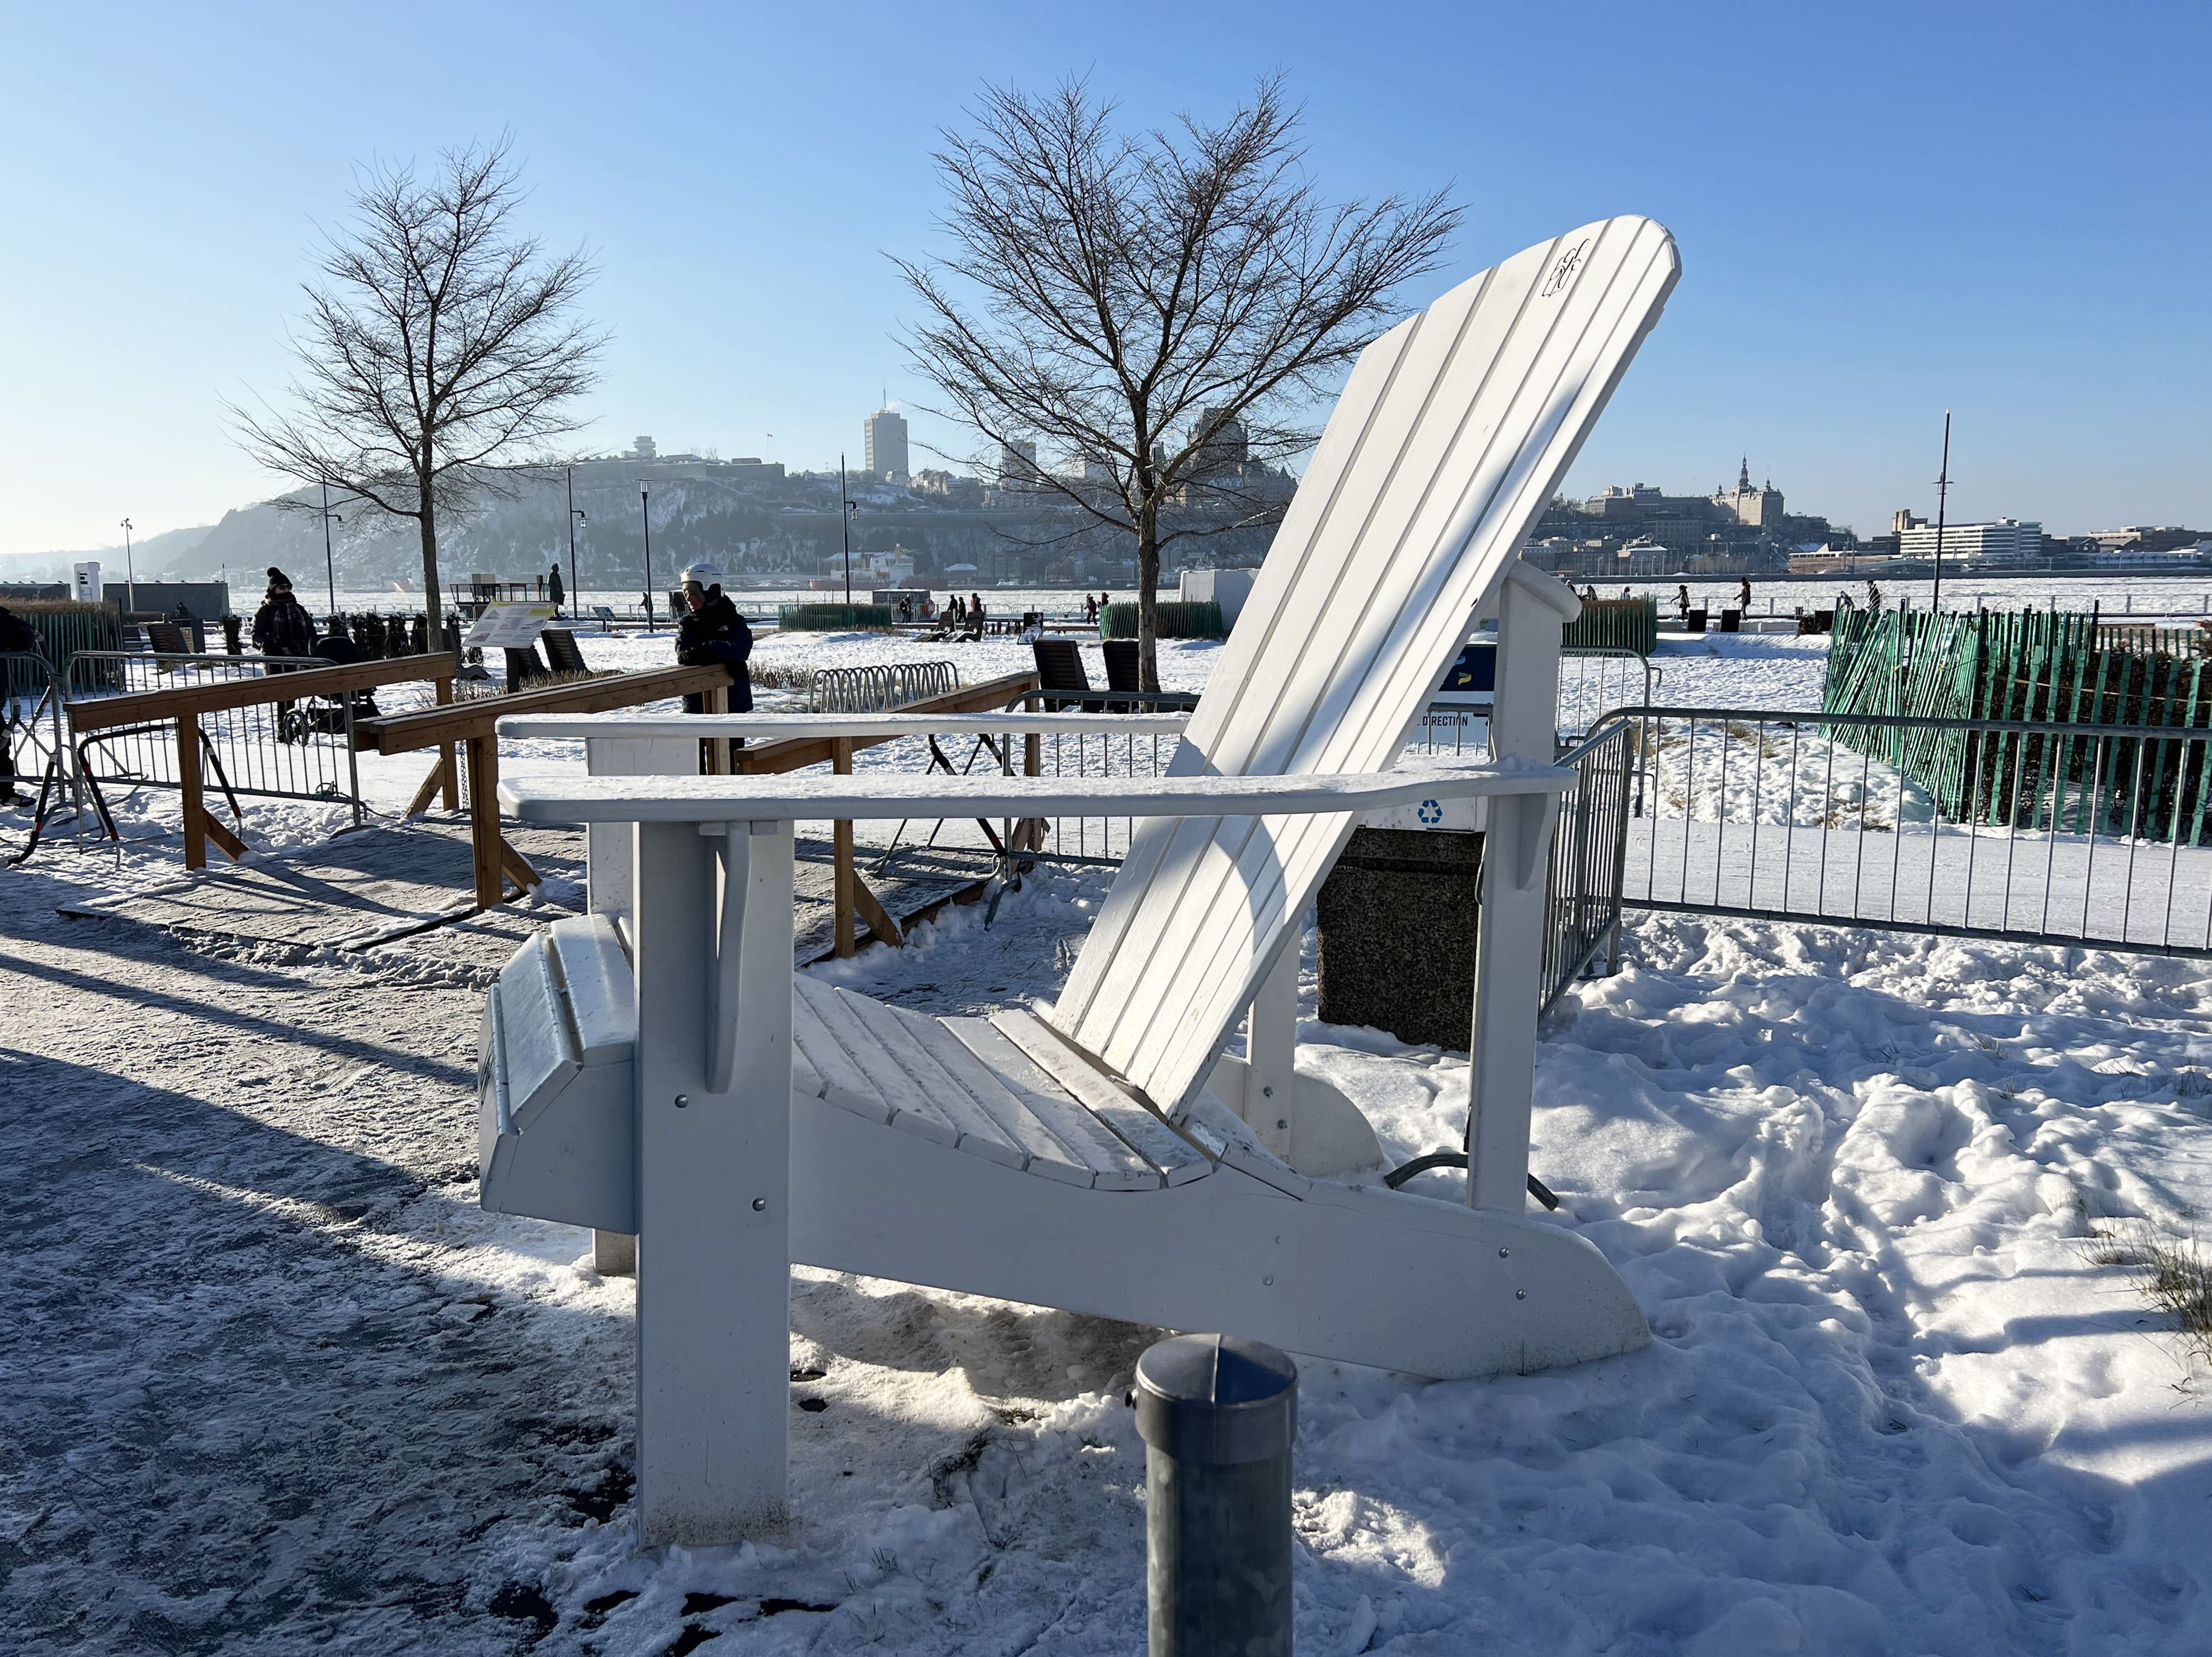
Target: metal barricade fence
pixel 31 707
pixel 299 750
pixel 33 732
pixel 1594 682
pixel 1582 895
pixel 2074 833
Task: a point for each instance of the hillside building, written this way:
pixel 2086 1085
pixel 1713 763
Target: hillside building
pixel 883 442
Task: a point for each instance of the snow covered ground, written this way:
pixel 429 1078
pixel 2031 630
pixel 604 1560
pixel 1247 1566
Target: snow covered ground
pixel 274 1382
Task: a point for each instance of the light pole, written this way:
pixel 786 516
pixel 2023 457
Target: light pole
pixel 330 569
pixel 645 515
pixel 1942 500
pixel 130 574
pixel 846 509
pixel 575 593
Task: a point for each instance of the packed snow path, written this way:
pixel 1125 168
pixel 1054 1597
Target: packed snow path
pixel 274 1382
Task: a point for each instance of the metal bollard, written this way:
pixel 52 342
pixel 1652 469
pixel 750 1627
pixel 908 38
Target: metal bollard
pixel 1219 1416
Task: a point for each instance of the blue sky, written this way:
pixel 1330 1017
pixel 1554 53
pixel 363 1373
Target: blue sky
pixel 1883 210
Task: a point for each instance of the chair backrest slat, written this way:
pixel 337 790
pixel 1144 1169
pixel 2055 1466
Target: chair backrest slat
pixel 1451 434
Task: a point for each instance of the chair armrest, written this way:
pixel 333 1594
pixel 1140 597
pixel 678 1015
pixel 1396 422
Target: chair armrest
pixel 793 797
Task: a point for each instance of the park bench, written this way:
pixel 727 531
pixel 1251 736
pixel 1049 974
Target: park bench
pixel 654 1067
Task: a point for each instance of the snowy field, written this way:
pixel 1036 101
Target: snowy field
pixel 275 1383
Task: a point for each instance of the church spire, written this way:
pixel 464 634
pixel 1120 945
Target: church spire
pixel 1743 476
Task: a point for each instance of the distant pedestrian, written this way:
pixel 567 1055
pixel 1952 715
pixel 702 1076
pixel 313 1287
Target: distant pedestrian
pixel 281 626
pixel 1625 595
pixel 1089 611
pixel 555 590
pixel 1743 596
pixel 977 616
pixel 1682 603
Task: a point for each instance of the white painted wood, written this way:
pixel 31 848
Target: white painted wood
pixel 914 1113
pixel 538 1050
pixel 800 797
pixel 1270 1048
pixel 1113 1166
pixel 1364 1276
pixel 804 1078
pixel 843 1082
pixel 714 1189
pixel 979 1135
pixel 608 849
pixel 1451 434
pixel 1329 1137
pixel 1042 1151
pixel 1175 1157
pixel 601 990
pixel 1501 1079
pixel 634 727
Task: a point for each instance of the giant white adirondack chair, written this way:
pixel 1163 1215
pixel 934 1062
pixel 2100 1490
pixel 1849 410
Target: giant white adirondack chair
pixel 652 1070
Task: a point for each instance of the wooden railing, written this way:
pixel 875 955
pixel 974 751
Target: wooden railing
pixel 469 725
pixel 185 705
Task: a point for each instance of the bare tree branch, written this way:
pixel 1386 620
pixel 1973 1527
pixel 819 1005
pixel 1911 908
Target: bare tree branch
pixel 437 343
pixel 1160 309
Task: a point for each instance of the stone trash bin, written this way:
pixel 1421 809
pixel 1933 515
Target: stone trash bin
pixel 1396 922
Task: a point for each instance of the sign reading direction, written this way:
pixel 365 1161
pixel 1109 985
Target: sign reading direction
pixel 509 626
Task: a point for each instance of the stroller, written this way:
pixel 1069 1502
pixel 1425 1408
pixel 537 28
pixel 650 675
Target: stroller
pixel 327 715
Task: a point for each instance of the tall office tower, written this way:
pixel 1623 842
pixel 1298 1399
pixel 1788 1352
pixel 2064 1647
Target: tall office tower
pixel 1018 463
pixel 885 433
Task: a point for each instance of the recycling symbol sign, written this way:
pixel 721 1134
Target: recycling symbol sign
pixel 1431 812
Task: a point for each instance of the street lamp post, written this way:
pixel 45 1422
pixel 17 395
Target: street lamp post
pixel 575 593
pixel 130 574
pixel 645 514
pixel 330 568
pixel 846 509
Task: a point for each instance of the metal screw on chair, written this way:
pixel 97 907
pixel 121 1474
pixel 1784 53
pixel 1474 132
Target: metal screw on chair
pixel 1217 1415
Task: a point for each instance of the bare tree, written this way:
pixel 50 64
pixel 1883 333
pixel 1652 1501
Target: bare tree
pixel 439 341
pixel 1140 303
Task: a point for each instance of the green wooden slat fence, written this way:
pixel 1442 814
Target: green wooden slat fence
pixel 2033 665
pixel 1614 625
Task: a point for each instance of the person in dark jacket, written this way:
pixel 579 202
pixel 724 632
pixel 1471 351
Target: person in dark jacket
pixel 711 631
pixel 555 590
pixel 17 638
pixel 281 626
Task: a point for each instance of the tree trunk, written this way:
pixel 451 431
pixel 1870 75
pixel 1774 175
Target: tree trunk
pixel 431 606
pixel 1148 599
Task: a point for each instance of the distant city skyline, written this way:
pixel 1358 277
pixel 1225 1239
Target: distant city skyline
pixel 1871 233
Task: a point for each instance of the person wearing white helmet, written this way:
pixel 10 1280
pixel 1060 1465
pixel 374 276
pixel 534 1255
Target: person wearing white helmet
pixel 711 631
